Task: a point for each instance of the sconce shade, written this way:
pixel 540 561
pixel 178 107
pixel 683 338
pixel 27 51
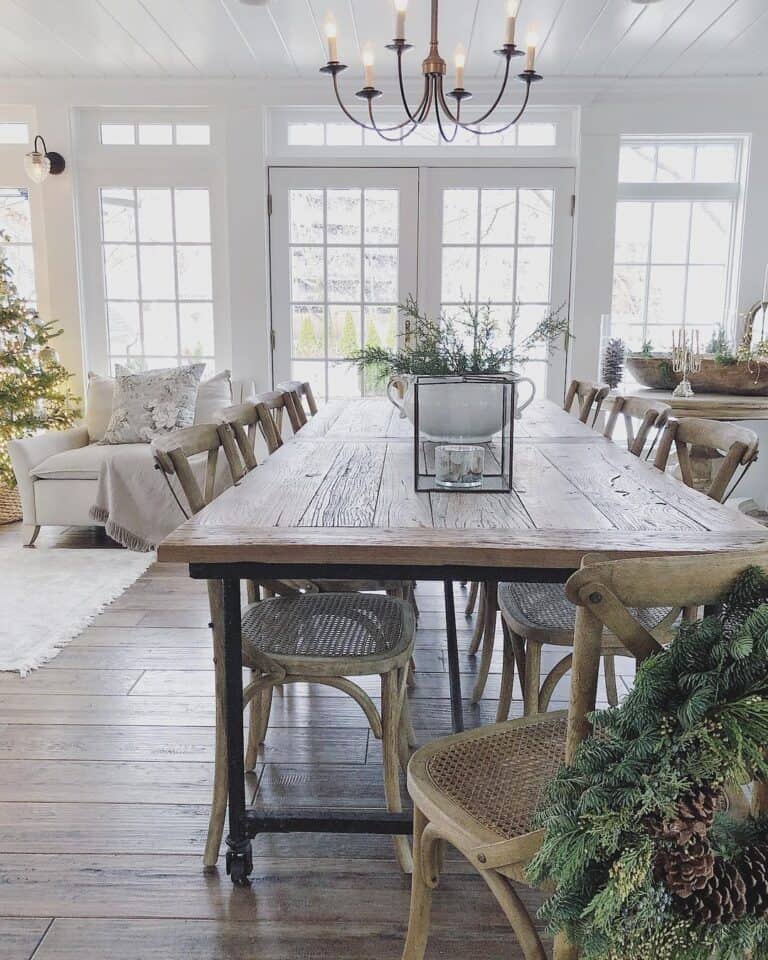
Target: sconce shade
pixel 40 164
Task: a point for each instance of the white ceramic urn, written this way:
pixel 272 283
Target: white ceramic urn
pixel 469 411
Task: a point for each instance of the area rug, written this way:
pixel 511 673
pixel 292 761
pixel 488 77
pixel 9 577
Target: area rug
pixel 49 596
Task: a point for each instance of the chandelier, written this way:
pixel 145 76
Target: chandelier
pixel 435 98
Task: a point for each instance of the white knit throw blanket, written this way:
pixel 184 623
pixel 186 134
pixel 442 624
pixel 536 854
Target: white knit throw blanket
pixel 136 502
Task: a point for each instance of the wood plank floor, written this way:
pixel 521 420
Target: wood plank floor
pixel 105 775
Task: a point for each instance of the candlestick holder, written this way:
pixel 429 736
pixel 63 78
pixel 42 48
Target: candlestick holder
pixel 686 359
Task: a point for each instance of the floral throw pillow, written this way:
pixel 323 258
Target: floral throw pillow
pixel 152 403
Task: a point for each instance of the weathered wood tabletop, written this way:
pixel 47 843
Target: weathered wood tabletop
pixel 342 492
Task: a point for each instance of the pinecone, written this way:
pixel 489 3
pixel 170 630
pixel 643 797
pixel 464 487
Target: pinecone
pixel 695 813
pixel 685 869
pixel 753 866
pixel 721 900
pixel 613 362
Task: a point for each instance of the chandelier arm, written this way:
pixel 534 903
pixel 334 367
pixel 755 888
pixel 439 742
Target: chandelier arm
pixel 403 97
pixel 381 131
pixel 361 123
pixel 498 99
pixel 438 100
pixel 507 126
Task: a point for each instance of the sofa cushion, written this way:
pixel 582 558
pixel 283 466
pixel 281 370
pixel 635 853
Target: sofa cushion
pixel 213 395
pixel 98 405
pixel 84 463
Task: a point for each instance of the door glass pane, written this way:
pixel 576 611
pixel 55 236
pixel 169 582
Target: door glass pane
pixel 497 252
pixel 344 283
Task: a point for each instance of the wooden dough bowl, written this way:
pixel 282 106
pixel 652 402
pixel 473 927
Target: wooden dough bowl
pixel 734 378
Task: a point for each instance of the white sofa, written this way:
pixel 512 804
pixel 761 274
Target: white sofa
pixel 58 472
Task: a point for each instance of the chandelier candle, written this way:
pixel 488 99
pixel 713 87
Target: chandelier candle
pixel 435 104
pixel 331 34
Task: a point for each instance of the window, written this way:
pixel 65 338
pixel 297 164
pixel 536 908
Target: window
pixel 676 253
pixel 497 249
pixel 347 134
pixel 14 133
pixel 155 134
pixel 156 246
pixel 16 239
pixel 344 262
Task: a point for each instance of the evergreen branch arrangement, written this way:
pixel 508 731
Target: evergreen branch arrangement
pixel 33 384
pixel 453 346
pixel 645 861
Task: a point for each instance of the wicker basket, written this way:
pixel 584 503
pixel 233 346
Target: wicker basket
pixel 10 505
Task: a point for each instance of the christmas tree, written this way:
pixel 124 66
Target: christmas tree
pixel 33 384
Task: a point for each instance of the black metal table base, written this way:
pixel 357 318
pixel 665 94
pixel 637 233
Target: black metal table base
pixel 246 824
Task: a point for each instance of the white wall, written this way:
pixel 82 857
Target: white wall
pixel 608 110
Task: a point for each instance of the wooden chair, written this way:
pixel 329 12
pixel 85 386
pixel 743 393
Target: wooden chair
pixel 539 612
pixel 273 406
pixel 301 638
pixel 478 791
pixel 709 439
pixel 589 397
pixel 640 417
pixel 303 391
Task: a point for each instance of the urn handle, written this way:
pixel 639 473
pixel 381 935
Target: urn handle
pixel 521 406
pixel 396 390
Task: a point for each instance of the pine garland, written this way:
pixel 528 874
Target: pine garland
pixel 643 864
pixel 33 384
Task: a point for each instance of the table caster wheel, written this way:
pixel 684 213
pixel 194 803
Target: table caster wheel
pixel 239 867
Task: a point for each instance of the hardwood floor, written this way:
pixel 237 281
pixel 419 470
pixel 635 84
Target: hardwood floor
pixel 105 773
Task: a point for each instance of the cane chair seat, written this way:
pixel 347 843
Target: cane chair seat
pixel 367 630
pixel 543 608
pixel 485 785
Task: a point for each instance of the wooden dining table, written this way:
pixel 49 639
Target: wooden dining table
pixel 337 501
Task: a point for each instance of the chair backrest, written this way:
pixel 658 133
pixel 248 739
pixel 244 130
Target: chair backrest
pixel 649 414
pixel 243 420
pixel 589 395
pixel 303 391
pixel 737 444
pixel 609 593
pixel 271 406
pixel 173 453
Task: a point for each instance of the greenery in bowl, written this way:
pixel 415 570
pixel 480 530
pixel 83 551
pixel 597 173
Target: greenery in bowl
pixel 456 345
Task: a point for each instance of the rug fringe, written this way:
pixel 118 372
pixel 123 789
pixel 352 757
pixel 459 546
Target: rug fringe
pixel 119 534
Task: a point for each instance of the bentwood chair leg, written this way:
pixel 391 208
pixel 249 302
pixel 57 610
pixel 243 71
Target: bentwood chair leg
pixel 518 916
pixel 220 793
pixel 507 677
pixel 477 636
pixel 611 690
pixel 390 722
pixel 532 678
pixel 488 613
pixel 254 728
pixel 471 599
pixel 421 896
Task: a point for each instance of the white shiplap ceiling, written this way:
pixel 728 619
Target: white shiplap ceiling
pixel 227 38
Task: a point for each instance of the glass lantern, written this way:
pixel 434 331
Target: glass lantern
pixel 463 430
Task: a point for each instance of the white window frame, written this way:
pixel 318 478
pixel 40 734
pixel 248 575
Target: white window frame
pixel 564 119
pixel 106 166
pixel 733 192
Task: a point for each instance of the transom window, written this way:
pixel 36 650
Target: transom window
pixel 676 251
pixel 347 134
pixel 16 239
pixel 156 246
pixel 14 132
pixel 155 134
pixel 344 260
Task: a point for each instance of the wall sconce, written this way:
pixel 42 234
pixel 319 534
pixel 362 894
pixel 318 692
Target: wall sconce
pixel 40 163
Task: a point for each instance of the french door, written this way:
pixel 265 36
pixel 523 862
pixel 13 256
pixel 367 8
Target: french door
pixel 348 245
